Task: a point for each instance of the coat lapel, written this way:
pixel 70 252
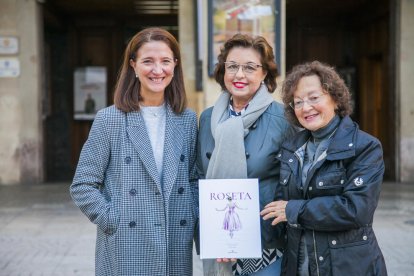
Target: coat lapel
pixel 174 137
pixel 138 135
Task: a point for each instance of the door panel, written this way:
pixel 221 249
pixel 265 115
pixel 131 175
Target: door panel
pixel 93 48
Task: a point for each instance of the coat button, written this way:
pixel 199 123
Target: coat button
pixel 127 159
pixel 350 145
pixel 279 155
pixel 342 181
pixel 320 258
pixel 208 155
pixel 132 224
pixel 247 155
pixel 290 160
pixel 180 190
pixel 182 157
pixel 132 192
pixel 183 222
pixel 334 242
pixel 284 181
pixel 320 183
pixel 310 188
pixel 364 238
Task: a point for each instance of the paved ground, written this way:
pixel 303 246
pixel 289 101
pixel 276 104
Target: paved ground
pixel 43 233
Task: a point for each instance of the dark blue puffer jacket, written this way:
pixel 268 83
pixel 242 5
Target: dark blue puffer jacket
pixel 334 209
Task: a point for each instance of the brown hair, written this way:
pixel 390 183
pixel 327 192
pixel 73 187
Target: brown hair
pixel 127 90
pixel 331 82
pixel 257 43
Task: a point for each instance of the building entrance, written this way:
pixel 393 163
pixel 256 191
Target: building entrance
pixel 85 35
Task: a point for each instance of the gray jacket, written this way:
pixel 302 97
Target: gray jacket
pixel 262 144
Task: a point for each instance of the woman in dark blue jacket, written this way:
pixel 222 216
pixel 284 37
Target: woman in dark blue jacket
pixel 330 180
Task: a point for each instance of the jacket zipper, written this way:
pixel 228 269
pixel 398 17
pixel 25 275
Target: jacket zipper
pixel 306 196
pixel 316 255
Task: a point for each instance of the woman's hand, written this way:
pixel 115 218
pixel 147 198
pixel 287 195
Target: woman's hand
pixel 225 260
pixel 275 209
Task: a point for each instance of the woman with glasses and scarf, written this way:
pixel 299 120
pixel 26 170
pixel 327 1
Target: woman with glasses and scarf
pixel 240 136
pixel 330 180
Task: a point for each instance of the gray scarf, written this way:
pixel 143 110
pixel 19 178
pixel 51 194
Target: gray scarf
pixel 228 159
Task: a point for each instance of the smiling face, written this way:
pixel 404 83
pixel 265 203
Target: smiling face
pixel 154 67
pixel 317 115
pixel 241 85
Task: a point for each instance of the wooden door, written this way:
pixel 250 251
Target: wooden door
pixel 94 47
pixel 370 96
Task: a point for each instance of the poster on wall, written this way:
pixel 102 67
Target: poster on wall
pixel 254 17
pixel 90 91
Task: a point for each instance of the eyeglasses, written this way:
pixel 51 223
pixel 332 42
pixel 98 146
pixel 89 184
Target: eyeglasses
pixel 312 100
pixel 248 68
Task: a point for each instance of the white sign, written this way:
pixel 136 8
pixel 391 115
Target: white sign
pixel 9 45
pixel 229 218
pixel 9 67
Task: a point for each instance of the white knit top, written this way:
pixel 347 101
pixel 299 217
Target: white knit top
pixel 154 118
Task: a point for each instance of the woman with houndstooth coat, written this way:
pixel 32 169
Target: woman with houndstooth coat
pixel 136 177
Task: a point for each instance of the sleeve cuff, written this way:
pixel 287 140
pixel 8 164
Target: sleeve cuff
pixel 292 212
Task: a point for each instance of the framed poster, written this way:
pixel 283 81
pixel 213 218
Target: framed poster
pixel 255 17
pixel 89 91
pixel 229 218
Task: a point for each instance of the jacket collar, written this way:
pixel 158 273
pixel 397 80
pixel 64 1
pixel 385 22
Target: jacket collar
pixel 344 140
pixel 342 145
pixel 174 137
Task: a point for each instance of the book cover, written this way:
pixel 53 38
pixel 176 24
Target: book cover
pixel 229 218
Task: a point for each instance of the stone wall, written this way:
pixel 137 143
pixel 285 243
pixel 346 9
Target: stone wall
pixel 20 113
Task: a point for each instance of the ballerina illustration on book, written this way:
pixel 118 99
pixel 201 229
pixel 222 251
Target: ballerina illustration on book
pixel 231 220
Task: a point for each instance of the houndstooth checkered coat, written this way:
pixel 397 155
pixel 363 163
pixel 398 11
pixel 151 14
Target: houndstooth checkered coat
pixel 142 228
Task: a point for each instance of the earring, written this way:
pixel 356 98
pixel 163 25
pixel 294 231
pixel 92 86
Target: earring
pixel 263 82
pixel 136 75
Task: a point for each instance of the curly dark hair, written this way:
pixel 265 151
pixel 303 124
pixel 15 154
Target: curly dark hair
pixel 257 43
pixel 331 82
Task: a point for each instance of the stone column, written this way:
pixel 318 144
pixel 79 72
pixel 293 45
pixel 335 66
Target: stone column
pixel 405 65
pixel 21 159
pixel 186 25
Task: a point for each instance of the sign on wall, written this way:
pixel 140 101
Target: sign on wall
pixel 9 67
pixel 9 45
